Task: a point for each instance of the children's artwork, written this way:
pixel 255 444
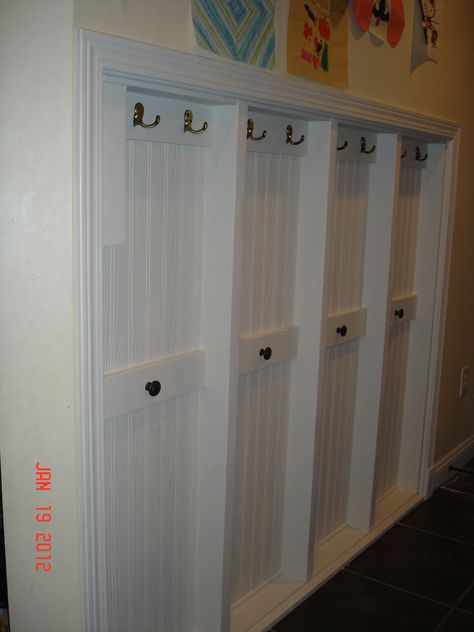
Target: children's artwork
pixel 317 40
pixel 385 19
pixel 430 10
pixel 240 29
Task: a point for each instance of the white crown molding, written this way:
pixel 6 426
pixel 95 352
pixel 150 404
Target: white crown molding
pixel 137 62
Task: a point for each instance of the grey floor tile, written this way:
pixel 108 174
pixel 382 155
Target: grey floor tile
pixel 424 564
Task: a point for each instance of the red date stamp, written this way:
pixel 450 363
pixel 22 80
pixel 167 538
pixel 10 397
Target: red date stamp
pixel 43 516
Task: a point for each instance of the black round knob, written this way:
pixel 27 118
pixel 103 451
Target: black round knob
pixel 266 353
pixel 342 330
pixel 399 312
pixel 153 388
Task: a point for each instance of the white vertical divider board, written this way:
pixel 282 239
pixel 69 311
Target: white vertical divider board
pixel 317 175
pixel 415 413
pixel 383 192
pixel 225 185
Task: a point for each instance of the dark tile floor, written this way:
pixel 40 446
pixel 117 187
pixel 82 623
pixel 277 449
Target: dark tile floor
pixel 418 577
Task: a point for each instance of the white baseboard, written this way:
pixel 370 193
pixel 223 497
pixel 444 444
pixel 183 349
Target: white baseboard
pixel 439 472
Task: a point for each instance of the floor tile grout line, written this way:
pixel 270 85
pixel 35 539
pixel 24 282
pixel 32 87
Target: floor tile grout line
pixel 439 535
pixel 404 590
pixel 454 609
pixel 440 624
pixel 461 492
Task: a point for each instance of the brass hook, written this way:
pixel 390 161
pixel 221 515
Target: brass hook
pixel 188 124
pixel 250 135
pixel 138 113
pixel 343 146
pixel 418 155
pixel 363 147
pixel 404 154
pixel 289 136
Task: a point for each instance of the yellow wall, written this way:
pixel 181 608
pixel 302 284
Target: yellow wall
pixel 37 286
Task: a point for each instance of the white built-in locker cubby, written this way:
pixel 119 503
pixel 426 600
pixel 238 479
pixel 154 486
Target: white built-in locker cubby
pixel 261 301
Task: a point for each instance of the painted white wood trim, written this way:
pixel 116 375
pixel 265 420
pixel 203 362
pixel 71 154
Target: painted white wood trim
pixel 174 70
pixel 353 149
pixel 283 343
pixel 439 310
pixel 125 390
pixel 171 126
pixel 422 330
pixel 408 154
pixel 275 600
pixel 225 186
pixel 102 56
pixel 317 181
pixel 89 229
pixel 408 304
pixel 354 320
pixel 275 137
pixel 383 192
pixel 458 457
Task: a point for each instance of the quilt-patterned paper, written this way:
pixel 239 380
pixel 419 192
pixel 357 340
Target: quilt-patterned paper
pixel 240 29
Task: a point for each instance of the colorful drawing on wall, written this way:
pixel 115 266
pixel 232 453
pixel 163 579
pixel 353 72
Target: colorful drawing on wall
pixel 385 19
pixel 430 10
pixel 240 29
pixel 317 40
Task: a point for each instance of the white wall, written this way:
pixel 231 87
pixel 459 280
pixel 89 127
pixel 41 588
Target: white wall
pixel 37 400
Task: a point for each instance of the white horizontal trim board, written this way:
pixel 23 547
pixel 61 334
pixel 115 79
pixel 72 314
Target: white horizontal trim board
pixel 275 137
pixel 349 145
pixel 282 342
pixel 171 126
pixel 228 291
pixel 354 322
pixel 405 303
pixel 409 157
pixel 125 390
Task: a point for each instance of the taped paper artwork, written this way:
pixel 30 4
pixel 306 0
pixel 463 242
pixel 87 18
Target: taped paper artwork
pixel 317 40
pixel 239 29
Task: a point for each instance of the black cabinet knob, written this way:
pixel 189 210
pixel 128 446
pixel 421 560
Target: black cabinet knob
pixel 399 312
pixel 342 331
pixel 153 388
pixel 266 353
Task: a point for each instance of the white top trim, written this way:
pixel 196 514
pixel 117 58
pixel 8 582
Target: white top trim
pixel 136 62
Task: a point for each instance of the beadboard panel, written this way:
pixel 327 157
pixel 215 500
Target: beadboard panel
pixel 152 282
pixel 261 441
pixel 402 276
pixel 345 265
pixel 405 232
pixel 267 287
pixel 269 229
pixel 391 409
pixel 150 514
pixel 152 312
pixel 346 256
pixel 335 438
